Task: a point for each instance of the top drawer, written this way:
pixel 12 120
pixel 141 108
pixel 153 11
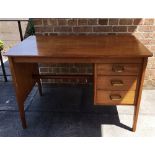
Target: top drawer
pixel 117 69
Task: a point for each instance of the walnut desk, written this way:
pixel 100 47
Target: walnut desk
pixel 119 66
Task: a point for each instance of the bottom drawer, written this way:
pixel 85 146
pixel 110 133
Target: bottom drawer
pixel 114 97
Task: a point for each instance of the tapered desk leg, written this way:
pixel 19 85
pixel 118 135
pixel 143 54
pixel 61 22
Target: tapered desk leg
pixel 22 114
pixel 138 99
pixel 136 112
pixel 23 82
pixel 39 87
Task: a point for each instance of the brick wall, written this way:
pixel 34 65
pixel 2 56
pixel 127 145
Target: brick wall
pixel 143 29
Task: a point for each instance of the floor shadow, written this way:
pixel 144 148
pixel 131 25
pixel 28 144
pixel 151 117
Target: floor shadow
pixel 69 111
pixel 63 111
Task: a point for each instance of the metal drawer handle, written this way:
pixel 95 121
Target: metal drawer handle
pixel 118 68
pixel 117 83
pixel 115 97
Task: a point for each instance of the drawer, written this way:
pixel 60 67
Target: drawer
pixel 114 97
pixel 117 69
pixel 116 82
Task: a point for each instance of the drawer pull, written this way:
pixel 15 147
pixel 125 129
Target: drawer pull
pixel 117 68
pixel 117 83
pixel 115 97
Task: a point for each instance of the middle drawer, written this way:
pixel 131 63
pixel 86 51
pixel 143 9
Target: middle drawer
pixel 116 82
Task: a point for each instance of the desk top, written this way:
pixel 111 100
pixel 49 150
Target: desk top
pixel 79 47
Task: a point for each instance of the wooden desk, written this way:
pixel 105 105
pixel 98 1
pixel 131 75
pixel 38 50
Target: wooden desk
pixel 119 66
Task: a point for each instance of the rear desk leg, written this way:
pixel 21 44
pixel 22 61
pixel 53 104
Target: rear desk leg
pixel 137 106
pixel 39 87
pixel 23 82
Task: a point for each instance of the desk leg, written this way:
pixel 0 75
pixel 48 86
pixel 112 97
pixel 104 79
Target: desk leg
pixel 22 112
pixel 23 82
pixel 39 87
pixel 138 99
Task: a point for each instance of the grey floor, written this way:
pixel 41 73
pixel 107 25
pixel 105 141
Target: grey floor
pixel 68 111
pixel 61 111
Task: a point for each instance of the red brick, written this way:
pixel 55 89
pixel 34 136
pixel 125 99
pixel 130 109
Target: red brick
pixel 45 33
pixel 102 29
pixel 147 84
pixel 82 29
pixel 47 29
pixel 74 70
pixel 146 28
pixel 152 73
pixel 53 22
pixel 46 21
pixel 152 42
pixel 37 21
pixel 62 22
pixel 44 69
pixel 49 21
pixel 62 29
pixel 113 21
pixel 72 22
pixel 38 29
pixel 151 63
pixel 149 21
pixel 92 21
pixel 56 70
pixel 102 21
pixel 148 47
pixel 132 28
pixel 153 83
pixel 153 49
pixel 83 21
pixel 45 80
pixel 125 21
pixel 147 74
pixel 148 35
pixel 146 41
pixel 137 21
pixel 120 29
pixel 82 70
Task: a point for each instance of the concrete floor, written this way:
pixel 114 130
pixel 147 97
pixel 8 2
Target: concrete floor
pixel 146 121
pixel 68 111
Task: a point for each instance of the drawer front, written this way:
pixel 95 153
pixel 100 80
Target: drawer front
pixel 116 82
pixel 117 69
pixel 114 97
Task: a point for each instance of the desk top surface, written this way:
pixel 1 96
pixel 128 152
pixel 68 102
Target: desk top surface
pixel 79 46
